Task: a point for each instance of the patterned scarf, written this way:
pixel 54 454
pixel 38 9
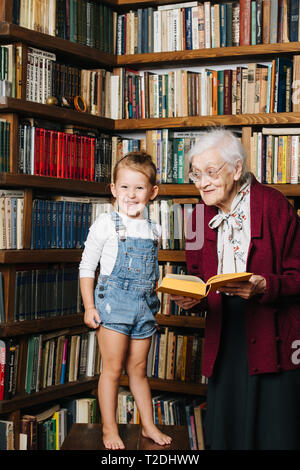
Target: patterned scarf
pixel 234 232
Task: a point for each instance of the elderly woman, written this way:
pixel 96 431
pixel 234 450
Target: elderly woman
pixel 252 335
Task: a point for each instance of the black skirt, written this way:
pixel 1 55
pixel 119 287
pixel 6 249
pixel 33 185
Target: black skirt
pixel 249 412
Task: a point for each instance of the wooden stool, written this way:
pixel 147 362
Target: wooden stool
pixel 89 437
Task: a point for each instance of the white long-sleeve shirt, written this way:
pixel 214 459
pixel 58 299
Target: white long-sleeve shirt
pixel 102 243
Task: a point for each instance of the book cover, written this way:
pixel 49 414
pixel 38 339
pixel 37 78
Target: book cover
pixel 193 286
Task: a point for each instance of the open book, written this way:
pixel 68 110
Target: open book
pixel 193 286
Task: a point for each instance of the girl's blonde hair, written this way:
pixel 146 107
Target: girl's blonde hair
pixel 137 161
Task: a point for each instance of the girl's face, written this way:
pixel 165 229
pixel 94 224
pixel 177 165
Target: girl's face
pixel 132 191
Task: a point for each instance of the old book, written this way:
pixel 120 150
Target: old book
pixel 245 22
pixel 193 286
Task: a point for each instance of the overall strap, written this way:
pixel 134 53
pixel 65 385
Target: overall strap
pixel 119 226
pixel 154 231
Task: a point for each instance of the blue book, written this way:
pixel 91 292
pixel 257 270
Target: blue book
pixel 188 29
pixel 145 31
pixel 294 20
pixel 223 24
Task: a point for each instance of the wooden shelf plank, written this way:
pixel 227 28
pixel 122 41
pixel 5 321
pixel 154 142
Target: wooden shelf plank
pixel 180 321
pixel 11 32
pixel 60 391
pixel 174 386
pixel 55 392
pixel 54 184
pixel 29 108
pixel 207 55
pixel 189 122
pixel 25 327
pixel 68 256
pixel 40 325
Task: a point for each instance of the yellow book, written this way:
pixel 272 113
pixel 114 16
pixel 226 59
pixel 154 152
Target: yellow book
pixel 193 286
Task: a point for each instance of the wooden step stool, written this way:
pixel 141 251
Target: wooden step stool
pixel 89 437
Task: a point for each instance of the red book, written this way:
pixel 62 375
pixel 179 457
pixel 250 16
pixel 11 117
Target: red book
pixel 245 22
pixel 227 91
pixel 59 154
pixel 36 151
pixel 92 156
pixel 51 153
pixel 47 153
pixel 81 152
pixel 2 367
pixel 54 153
pixel 66 156
pixel 42 153
pixel 85 158
pixel 72 156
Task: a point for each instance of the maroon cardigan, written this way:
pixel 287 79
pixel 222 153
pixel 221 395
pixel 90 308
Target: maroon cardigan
pixel 273 319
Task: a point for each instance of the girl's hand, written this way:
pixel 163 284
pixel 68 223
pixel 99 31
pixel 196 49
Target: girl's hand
pixel 92 318
pixel 246 289
pixel 184 302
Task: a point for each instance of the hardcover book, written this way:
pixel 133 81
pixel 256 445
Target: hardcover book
pixel 193 286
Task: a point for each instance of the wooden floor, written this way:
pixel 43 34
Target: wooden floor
pixel 89 437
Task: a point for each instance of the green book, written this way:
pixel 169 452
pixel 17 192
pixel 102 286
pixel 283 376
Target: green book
pixel 29 366
pixel 220 92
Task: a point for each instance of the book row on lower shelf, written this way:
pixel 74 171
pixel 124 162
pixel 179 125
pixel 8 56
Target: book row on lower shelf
pixel 69 355
pixel 47 429
pixel 64 221
pixel 53 291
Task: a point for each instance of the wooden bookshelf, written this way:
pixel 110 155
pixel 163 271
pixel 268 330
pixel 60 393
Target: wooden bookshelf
pixel 88 57
pixel 52 112
pixel 56 255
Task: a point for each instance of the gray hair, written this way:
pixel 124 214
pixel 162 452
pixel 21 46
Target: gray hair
pixel 228 146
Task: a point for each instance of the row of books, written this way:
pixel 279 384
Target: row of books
pixel 62 223
pixel 48 429
pixel 4 145
pixel 46 292
pixel 11 219
pixel 199 25
pixel 245 89
pixel 170 410
pixel 51 359
pixel 176 355
pixel 169 151
pixel 60 357
pixel 172 215
pixel 129 94
pixel 68 151
pixel 275 155
pixel 87 22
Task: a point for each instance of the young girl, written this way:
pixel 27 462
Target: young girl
pixel 124 302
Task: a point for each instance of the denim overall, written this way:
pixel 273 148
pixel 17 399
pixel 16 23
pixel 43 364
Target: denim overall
pixel 126 299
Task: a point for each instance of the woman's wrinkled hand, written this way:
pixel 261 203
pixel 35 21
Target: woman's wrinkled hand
pixel 184 302
pixel 246 289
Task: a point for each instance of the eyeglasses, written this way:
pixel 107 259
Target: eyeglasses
pixel 196 176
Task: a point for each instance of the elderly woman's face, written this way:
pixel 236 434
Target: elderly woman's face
pixel 220 188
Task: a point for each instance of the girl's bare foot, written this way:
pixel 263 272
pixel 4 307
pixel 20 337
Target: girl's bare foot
pixel 111 438
pixel 152 432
